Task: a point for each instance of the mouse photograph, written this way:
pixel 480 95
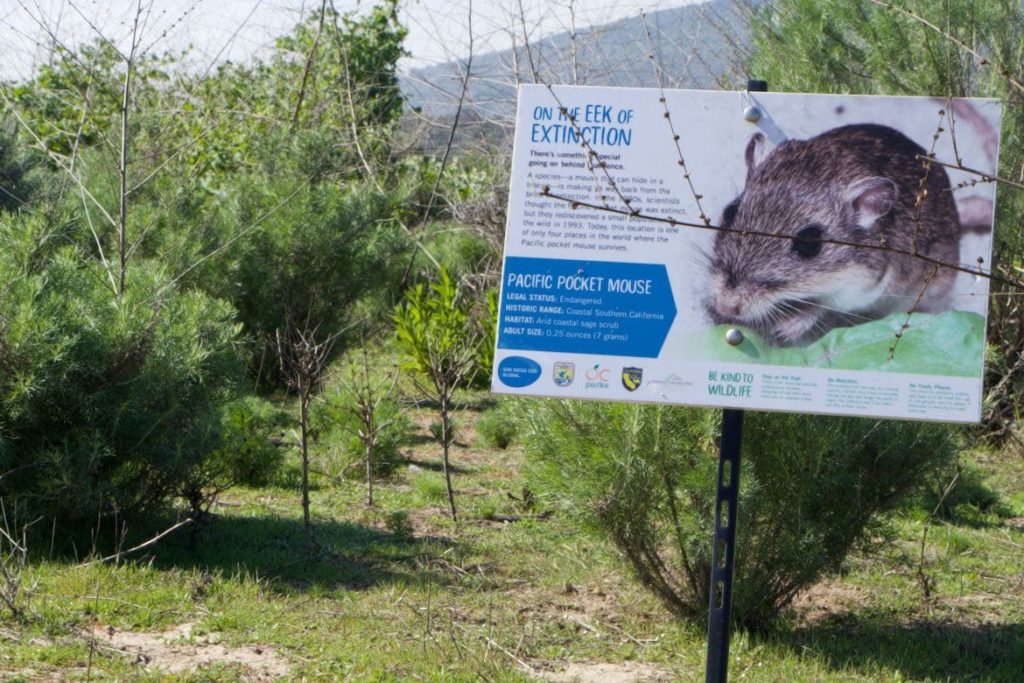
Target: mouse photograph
pixel 839 229
pixel 846 211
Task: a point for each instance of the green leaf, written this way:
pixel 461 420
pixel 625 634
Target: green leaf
pixel 948 344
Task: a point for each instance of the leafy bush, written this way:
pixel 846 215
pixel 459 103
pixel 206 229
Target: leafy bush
pixel 247 452
pixel 106 403
pixel 399 524
pixel 439 340
pixel 20 177
pixel 496 428
pixel 644 476
pixel 319 251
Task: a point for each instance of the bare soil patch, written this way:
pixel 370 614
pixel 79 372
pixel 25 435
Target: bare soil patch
pixel 178 651
pixel 604 672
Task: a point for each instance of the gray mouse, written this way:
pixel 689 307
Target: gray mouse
pixel 857 184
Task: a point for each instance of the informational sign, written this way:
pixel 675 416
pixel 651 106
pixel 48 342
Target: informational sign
pixel 844 237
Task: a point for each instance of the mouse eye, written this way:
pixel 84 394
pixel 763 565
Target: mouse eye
pixel 808 242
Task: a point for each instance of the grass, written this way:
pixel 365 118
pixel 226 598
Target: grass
pixel 481 600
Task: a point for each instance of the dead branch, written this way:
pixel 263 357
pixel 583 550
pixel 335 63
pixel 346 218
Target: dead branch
pixel 122 165
pixel 983 176
pixel 455 121
pixel 141 546
pixel 671 126
pixel 309 63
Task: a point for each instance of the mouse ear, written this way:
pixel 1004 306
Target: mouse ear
pixel 755 152
pixel 871 198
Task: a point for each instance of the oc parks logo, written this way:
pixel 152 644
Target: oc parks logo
pixel 563 374
pixel 597 377
pixel 631 378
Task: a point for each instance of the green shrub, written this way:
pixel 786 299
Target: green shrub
pixel 496 428
pixel 106 403
pixel 969 496
pixel 439 340
pixel 326 257
pixel 249 455
pixel 336 423
pixel 644 476
pixel 460 252
pixel 21 177
pixel 399 524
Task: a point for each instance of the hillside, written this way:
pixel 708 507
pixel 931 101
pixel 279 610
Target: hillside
pixel 697 46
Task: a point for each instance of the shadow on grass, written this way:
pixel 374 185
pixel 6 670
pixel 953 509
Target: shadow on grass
pixel 932 651
pixel 419 440
pixel 434 465
pixel 352 556
pixel 477 402
pixel 480 404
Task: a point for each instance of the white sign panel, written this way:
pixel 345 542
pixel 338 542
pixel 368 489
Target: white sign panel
pixel 643 226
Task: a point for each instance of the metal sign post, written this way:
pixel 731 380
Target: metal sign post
pixel 723 549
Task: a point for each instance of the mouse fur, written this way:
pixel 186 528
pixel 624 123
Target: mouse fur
pixel 856 183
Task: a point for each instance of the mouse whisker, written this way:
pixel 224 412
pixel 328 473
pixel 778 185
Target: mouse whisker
pixel 700 256
pixel 849 315
pixel 845 315
pixel 903 297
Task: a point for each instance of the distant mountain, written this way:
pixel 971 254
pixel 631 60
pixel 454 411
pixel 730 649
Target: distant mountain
pixel 696 46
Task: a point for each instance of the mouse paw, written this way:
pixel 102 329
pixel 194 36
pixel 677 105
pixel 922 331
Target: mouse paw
pixel 793 329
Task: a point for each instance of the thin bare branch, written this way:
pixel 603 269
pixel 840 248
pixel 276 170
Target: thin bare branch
pixel 778 234
pixel 981 59
pixel 310 58
pixel 983 176
pixel 455 121
pixel 141 546
pixel 687 176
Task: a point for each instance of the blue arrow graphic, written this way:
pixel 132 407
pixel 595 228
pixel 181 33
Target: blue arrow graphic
pixel 575 306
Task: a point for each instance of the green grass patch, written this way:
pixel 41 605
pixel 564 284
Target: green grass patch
pixel 400 592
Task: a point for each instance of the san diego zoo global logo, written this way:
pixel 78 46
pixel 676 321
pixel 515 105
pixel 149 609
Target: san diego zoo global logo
pixel 632 377
pixel 563 374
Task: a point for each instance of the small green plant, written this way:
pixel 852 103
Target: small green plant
pixel 488 326
pixel 399 524
pixel 429 487
pixel 955 492
pixel 363 416
pixel 440 342
pixel 437 429
pixel 247 448
pixel 245 453
pixel 496 428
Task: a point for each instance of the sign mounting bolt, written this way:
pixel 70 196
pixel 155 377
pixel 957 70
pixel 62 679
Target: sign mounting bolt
pixel 733 337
